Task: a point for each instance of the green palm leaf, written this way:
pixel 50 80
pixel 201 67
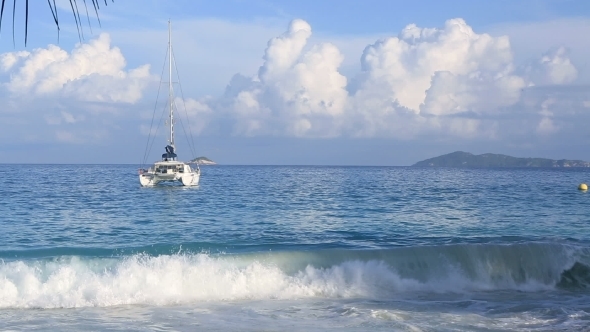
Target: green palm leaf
pixel 53 8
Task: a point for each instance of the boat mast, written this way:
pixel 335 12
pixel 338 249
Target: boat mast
pixel 170 91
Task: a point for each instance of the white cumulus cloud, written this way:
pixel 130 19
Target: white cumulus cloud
pixel 409 84
pixel 441 71
pixel 297 92
pixel 93 71
pixel 554 67
pixel 447 82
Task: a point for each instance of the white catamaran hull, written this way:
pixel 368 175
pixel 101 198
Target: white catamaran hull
pixel 150 180
pixel 169 171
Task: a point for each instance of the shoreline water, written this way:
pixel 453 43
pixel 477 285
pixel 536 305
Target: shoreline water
pixel 295 248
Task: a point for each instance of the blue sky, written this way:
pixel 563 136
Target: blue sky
pixel 300 82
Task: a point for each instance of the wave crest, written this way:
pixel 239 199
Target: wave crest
pixel 72 281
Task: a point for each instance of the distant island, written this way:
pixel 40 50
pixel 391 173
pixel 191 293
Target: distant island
pixel 203 161
pixel 466 159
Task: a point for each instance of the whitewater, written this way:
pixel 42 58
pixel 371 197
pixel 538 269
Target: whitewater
pixel 298 248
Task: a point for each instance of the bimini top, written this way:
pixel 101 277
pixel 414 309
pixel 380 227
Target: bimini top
pixel 169 155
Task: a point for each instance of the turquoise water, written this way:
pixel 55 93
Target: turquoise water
pixel 295 248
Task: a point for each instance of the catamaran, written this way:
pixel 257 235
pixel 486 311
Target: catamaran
pixel 170 169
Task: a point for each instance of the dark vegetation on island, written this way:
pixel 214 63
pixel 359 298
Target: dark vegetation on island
pixel 466 159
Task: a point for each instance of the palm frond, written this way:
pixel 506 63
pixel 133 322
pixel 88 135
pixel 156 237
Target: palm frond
pixel 53 8
pixel 87 16
pixel 13 12
pixel 26 20
pixel 78 24
pixel 1 13
pixel 96 11
pixel 55 18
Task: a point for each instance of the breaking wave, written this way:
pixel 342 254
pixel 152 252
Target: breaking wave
pixel 74 281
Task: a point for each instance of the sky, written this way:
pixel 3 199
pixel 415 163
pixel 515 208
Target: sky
pixel 332 82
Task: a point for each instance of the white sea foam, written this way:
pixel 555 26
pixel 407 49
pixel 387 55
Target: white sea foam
pixel 179 279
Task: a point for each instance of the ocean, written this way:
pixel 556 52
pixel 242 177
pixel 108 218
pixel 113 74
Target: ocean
pixel 295 248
